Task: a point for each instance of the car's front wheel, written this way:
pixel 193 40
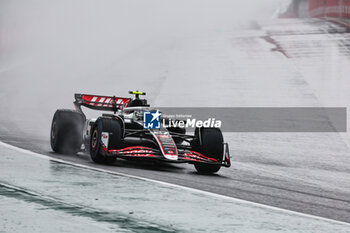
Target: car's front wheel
pixel 209 142
pixel 114 130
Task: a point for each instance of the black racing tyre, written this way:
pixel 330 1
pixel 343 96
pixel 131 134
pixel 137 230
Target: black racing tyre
pixel 67 131
pixel 177 130
pixel 209 142
pixel 114 128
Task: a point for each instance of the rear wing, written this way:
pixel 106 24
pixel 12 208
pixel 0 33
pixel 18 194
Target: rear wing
pixel 103 103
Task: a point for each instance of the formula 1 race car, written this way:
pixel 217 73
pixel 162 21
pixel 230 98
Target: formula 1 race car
pixel 122 134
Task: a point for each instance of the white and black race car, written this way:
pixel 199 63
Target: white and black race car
pixel 122 134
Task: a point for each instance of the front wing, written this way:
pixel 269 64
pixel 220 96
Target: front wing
pixel 184 155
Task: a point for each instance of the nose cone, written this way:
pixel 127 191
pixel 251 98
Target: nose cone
pixel 166 144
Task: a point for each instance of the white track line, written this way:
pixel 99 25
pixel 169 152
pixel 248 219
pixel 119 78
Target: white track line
pixel 215 195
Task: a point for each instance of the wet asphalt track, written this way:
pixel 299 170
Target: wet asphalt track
pixel 308 173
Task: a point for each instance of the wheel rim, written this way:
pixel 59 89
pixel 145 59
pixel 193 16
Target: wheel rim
pixel 54 130
pixel 94 139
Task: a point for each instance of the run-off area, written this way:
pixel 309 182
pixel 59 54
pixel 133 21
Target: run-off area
pixel 86 199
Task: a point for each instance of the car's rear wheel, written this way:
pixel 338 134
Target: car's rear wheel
pixel 114 130
pixel 67 131
pixel 209 142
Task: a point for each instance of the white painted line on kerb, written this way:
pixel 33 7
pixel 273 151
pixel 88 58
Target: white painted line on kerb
pixel 215 195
